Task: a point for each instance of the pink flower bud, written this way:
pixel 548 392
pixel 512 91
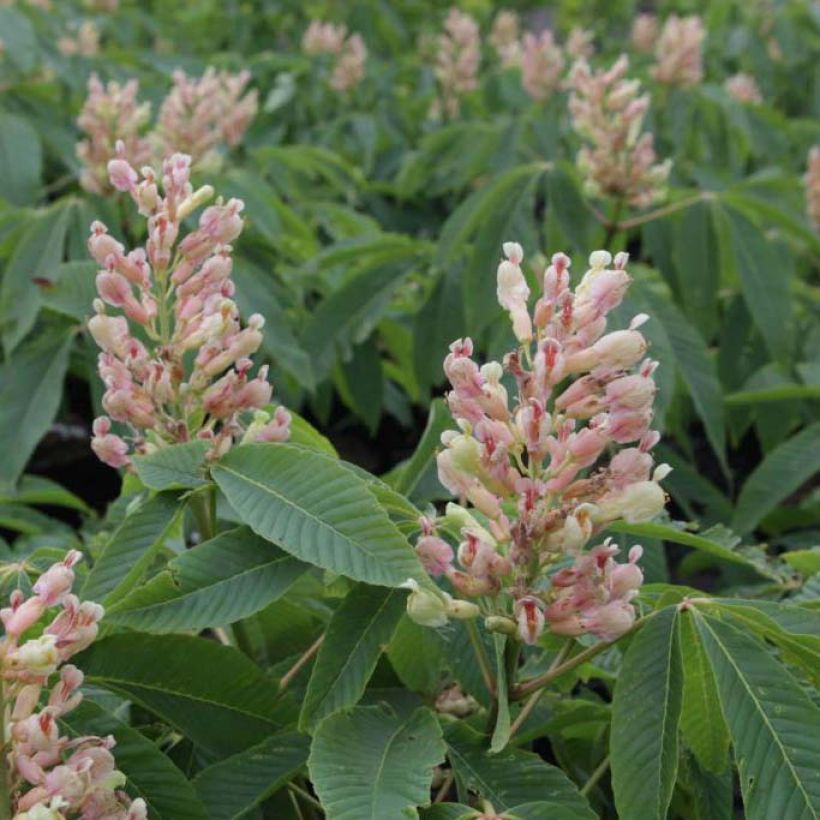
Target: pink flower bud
pixel 123 177
pixel 529 614
pixel 17 620
pixel 610 621
pixel 436 555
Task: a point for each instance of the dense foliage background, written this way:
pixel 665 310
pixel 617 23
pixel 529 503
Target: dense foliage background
pixel 375 217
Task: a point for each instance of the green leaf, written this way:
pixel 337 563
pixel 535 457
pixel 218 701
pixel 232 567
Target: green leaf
pixel 35 489
pixel 697 266
pixel 806 562
pixel 74 291
pixel 784 392
pixel 773 723
pixel 31 386
pixel 438 420
pixel 21 159
pixel 357 633
pixel 316 509
pixel 676 536
pixel 234 786
pixel 20 45
pixel 796 631
pixel 510 778
pixel 368 763
pixel 417 654
pixel 150 773
pixel 303 433
pixel 179 466
pixel 646 709
pixel 697 368
pixel 222 581
pixel 763 280
pixel 211 693
pixel 37 255
pixel 782 472
pixel 484 219
pixel 702 724
pixel 131 548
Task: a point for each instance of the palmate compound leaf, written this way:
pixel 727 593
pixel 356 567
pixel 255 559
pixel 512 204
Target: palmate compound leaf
pixel 234 786
pixel 645 714
pixel 775 727
pixel 230 577
pixel 316 509
pixel 211 693
pixel 367 763
pixel 359 630
pixel 510 778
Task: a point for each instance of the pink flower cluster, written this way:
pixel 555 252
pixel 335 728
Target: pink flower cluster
pixel 201 113
pixel 542 63
pixel 617 160
pixel 350 53
pixel 812 182
pixel 644 33
pixel 83 40
pixel 111 112
pixel 678 56
pixel 504 37
pixel 537 474
pixel 743 88
pixel 197 116
pixel 580 44
pixel 54 776
pixel 193 379
pixel 457 60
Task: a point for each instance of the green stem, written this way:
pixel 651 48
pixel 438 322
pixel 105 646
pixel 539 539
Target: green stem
pixel 595 776
pixel 306 796
pixel 590 652
pixel 203 509
pixel 614 226
pixel 703 196
pixel 481 656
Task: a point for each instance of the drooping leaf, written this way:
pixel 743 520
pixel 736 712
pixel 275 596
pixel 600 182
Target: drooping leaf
pixel 783 471
pixel 510 778
pixel 21 158
pixel 31 386
pixel 131 548
pixel 358 632
pixel 697 368
pixel 234 786
pixel 702 724
pixel 645 714
pixel 37 255
pixel 763 280
pixel 223 580
pixel 438 420
pixel 211 693
pixel 166 791
pixel 36 489
pixel 316 509
pixel 368 763
pixel 501 731
pixel 773 723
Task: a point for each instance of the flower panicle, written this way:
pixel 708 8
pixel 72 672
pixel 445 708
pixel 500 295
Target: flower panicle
pixel 196 117
pixel 54 776
pixel 176 361
pixel 541 470
pixel 679 52
pixel 542 64
pixel 617 158
pixel 349 53
pixel 457 60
